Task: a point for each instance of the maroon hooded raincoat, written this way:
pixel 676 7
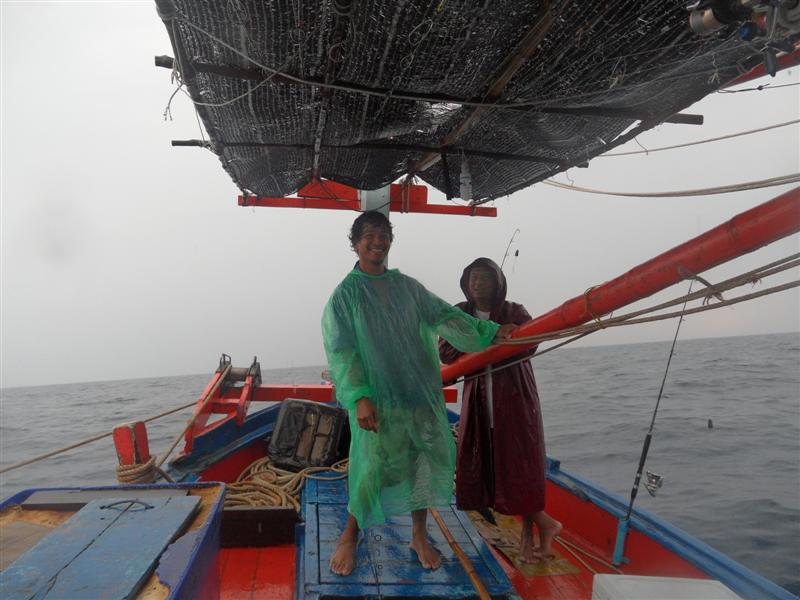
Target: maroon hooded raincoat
pixel 509 474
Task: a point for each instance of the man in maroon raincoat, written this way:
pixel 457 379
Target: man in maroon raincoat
pixel 501 459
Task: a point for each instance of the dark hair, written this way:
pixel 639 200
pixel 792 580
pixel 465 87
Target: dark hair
pixel 370 217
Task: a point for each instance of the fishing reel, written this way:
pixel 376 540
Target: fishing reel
pixel 758 21
pixel 653 482
pixel 755 18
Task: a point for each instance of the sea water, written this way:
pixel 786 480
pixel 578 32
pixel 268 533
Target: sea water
pixel 735 486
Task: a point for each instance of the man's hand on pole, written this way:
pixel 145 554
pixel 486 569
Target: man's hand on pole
pixel 366 415
pixel 505 331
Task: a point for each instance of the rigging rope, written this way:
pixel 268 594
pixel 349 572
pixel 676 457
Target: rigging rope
pixel 759 88
pixel 582 331
pixel 89 440
pixel 698 142
pixel 723 189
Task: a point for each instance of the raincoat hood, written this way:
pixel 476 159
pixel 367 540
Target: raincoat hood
pixel 500 281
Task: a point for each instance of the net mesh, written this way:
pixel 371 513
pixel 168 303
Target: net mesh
pixel 274 135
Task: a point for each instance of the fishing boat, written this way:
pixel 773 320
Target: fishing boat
pixel 345 105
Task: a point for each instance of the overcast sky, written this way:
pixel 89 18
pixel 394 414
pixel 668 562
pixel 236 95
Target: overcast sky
pixel 123 257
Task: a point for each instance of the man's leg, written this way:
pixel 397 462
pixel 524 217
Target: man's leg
pixel 549 528
pixel 428 556
pixel 344 557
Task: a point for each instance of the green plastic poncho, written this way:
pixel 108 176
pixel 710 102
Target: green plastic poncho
pixel 380 334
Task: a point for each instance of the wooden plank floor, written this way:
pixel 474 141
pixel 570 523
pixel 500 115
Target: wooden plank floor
pixel 386 567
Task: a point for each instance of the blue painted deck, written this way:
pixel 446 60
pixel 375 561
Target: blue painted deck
pixel 107 549
pixel 386 567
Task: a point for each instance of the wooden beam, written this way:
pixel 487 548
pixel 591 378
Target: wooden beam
pixel 507 70
pixel 379 146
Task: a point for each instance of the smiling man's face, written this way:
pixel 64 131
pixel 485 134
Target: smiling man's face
pixel 373 246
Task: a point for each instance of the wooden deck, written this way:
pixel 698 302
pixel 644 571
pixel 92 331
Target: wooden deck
pixel 387 568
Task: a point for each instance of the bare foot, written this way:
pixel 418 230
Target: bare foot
pixel 429 556
pixel 528 553
pixel 343 559
pixel 549 528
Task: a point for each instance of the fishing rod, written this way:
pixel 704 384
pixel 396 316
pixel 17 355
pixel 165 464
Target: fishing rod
pixel 505 256
pixel 624 523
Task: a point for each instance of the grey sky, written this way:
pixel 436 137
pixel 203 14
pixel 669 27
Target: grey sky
pixel 123 257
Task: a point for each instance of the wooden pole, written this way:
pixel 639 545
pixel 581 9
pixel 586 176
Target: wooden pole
pixel 483 594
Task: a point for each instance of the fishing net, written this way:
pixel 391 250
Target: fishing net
pixel 566 80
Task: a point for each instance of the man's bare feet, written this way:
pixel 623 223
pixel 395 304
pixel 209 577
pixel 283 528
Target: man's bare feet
pixel 528 552
pixel 343 559
pixel 549 528
pixel 429 556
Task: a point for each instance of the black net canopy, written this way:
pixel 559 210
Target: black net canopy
pixel 498 93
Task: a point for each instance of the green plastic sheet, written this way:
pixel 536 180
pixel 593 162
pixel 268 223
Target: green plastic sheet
pixel 380 335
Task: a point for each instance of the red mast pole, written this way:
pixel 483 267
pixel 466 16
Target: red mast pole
pixel 744 233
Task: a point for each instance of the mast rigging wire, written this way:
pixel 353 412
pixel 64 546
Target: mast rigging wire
pixel 705 141
pixel 723 189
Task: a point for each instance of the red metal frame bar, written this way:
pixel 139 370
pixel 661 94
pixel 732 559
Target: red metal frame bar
pixel 785 61
pixel 744 233
pixel 337 196
pixel 234 402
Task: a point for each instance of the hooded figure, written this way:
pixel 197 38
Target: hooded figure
pixel 501 458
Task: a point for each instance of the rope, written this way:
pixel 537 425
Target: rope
pixel 198 411
pixel 101 436
pixel 672 315
pixel 569 547
pixel 264 484
pixel 144 473
pixel 582 331
pixel 758 88
pixel 723 189
pixel 237 98
pixel 88 441
pixel 705 141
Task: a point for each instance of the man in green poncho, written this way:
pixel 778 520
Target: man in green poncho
pixel 380 331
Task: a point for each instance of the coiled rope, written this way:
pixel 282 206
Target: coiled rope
pixel 263 483
pixel 144 473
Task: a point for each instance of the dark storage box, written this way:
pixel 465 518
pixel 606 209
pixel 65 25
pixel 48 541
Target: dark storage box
pixel 307 434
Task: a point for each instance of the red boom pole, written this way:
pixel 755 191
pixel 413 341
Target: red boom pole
pixel 744 233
